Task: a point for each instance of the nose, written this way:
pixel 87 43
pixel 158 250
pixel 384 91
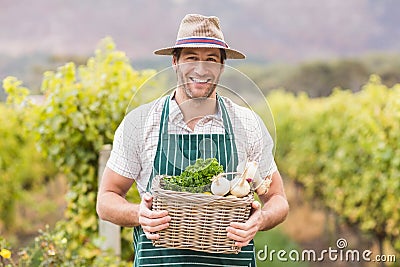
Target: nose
pixel 201 68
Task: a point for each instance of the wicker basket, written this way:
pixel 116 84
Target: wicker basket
pixel 199 221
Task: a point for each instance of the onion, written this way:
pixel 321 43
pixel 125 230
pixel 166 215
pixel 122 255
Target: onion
pixel 251 171
pixel 240 187
pixel 220 186
pixel 264 186
pixel 241 166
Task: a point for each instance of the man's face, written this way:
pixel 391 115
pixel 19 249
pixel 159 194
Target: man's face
pixel 198 71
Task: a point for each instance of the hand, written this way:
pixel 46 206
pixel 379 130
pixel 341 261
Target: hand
pixel 152 221
pixel 243 233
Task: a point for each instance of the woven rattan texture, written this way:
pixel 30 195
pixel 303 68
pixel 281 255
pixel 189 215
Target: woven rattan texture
pixel 199 221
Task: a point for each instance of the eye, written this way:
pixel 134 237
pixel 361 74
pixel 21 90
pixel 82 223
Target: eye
pixel 211 59
pixel 191 58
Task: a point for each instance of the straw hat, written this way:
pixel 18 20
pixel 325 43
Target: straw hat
pixel 200 31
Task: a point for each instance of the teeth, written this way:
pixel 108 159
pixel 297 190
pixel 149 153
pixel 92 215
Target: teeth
pixel 199 80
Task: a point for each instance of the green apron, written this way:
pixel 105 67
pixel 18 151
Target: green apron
pixel 174 153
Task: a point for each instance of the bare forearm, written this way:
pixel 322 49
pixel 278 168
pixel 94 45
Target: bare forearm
pixel 116 209
pixel 274 212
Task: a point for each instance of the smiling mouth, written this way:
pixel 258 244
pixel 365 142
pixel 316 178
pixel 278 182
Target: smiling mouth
pixel 195 80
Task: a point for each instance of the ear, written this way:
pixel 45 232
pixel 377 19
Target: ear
pixel 174 63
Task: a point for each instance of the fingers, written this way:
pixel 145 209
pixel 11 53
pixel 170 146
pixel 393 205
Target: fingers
pixel 241 237
pixel 243 233
pixel 151 236
pixel 152 221
pixel 252 221
pixel 145 208
pixel 147 200
pixel 154 225
pixel 256 205
pixel 237 234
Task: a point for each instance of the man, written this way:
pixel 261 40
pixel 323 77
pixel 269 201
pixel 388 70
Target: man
pixel 151 141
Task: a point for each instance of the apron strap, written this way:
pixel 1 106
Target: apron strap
pixel 164 118
pixel 225 117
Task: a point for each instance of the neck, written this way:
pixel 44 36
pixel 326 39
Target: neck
pixel 195 109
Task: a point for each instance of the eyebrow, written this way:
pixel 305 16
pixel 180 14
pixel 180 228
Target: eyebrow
pixel 213 55
pixel 191 52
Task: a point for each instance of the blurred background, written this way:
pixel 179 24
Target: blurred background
pixel 301 49
pixel 361 35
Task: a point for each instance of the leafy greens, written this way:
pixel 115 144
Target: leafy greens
pixel 196 177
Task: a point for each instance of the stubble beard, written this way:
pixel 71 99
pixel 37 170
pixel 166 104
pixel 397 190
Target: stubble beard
pixel 185 87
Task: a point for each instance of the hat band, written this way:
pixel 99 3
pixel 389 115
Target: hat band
pixel 201 40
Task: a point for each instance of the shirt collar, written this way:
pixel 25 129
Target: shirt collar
pixel 175 113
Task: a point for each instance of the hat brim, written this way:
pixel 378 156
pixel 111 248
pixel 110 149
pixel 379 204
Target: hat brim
pixel 230 53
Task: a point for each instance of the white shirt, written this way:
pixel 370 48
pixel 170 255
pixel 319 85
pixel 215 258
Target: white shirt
pixel 136 139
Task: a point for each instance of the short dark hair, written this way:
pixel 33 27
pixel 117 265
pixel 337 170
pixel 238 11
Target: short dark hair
pixel 177 53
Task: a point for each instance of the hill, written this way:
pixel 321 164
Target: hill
pixel 267 31
pixel 271 30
